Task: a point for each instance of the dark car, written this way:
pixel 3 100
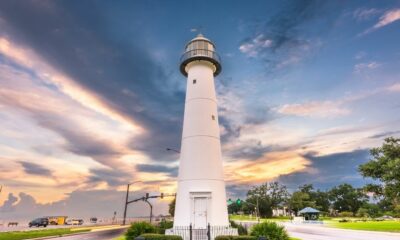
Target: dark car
pixel 38 222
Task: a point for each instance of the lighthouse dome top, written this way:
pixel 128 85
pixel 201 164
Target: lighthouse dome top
pixel 200 48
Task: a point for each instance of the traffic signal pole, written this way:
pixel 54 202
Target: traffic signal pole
pixel 145 199
pixel 126 204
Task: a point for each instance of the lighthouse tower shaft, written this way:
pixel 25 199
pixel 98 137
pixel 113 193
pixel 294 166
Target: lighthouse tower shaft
pixel 201 197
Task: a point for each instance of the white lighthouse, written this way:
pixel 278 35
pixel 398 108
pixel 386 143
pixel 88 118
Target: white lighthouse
pixel 201 197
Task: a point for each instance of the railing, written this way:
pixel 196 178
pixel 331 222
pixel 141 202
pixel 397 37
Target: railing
pixel 208 233
pixel 200 53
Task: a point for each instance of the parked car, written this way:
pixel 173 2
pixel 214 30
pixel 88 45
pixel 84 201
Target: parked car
pixel 93 219
pixel 39 222
pixel 74 221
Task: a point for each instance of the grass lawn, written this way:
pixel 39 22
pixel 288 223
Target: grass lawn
pixel 38 233
pixel 248 218
pixel 120 238
pixel 384 226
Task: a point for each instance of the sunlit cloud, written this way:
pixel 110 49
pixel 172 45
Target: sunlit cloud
pixel 268 167
pixel 314 109
pixel 29 59
pixel 387 18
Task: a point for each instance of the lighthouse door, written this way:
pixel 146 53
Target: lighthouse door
pixel 200 213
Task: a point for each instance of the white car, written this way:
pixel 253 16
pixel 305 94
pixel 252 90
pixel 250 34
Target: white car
pixel 74 221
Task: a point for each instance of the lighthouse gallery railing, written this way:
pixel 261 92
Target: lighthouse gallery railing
pixel 200 53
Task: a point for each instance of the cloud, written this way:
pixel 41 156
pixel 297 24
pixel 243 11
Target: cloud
pixel 362 14
pixel 332 108
pixel 256 45
pixel 113 177
pixel 35 169
pixel 266 168
pixel 282 40
pixel 106 67
pixel 361 67
pixel 8 205
pixel 387 18
pixel 81 204
pixel 326 171
pixel 385 134
pixel 322 109
pixel 394 88
pixel 152 168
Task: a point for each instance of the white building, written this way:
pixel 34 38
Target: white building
pixel 201 197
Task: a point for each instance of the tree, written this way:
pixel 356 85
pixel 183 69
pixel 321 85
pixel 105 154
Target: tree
pixel 300 200
pixel 318 198
pixel 268 195
pixel 369 210
pixel 234 207
pixel 321 201
pixel 171 206
pixel 347 198
pixel 385 167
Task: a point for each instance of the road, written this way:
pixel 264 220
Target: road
pixel 318 232
pixel 98 235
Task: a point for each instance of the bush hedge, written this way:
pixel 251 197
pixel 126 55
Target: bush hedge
pixel 139 228
pixel 241 229
pixel 163 225
pixel 154 236
pixel 244 237
pixel 271 230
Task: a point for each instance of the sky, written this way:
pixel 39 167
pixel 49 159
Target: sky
pixel 91 96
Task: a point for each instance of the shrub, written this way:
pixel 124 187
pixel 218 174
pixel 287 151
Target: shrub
pixel 163 225
pixel 242 230
pixel 138 228
pixel 271 230
pixel 153 236
pixel 345 214
pixel 344 220
pixel 226 237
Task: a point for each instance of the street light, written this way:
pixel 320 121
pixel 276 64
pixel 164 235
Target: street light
pixel 126 199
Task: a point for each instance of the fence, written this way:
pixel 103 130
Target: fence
pixel 209 233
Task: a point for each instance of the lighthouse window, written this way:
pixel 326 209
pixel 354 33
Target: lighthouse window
pixel 194 81
pixel 212 117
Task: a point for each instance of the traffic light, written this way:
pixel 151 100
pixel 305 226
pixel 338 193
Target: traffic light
pixel 162 195
pixel 239 202
pixel 229 201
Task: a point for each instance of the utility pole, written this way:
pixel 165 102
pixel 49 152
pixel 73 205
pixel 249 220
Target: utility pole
pixel 126 201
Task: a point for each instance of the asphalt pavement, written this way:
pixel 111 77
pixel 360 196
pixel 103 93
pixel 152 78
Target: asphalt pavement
pixel 97 235
pixel 318 232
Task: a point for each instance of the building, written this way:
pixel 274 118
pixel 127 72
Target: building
pixel 201 197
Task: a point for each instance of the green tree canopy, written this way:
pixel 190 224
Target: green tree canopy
pixel 385 167
pixel 300 200
pixel 346 198
pixel 171 206
pixel 269 196
pixel 318 199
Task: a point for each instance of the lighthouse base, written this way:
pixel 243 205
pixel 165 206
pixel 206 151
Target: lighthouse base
pixel 210 233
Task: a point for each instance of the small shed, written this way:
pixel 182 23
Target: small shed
pixel 309 213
